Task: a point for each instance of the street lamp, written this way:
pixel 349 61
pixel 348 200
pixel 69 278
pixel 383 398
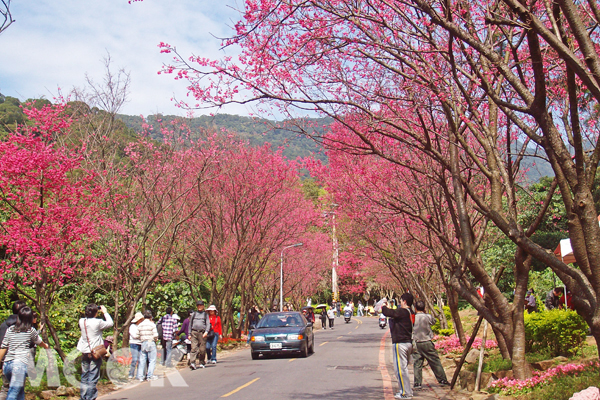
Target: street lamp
pixel 281 275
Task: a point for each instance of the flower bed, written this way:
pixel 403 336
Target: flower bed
pixel 509 386
pixel 451 344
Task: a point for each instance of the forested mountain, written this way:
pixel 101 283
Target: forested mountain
pixel 258 131
pixel 255 131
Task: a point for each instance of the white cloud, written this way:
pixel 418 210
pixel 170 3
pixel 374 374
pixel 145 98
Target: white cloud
pixel 53 44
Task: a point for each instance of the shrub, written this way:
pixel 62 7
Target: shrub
pixel 562 332
pixel 445 332
pixel 436 328
pixel 451 344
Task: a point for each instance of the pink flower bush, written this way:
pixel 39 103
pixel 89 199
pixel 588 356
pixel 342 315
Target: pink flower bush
pixel 451 344
pixel 511 386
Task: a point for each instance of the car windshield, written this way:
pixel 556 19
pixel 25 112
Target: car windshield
pixel 280 321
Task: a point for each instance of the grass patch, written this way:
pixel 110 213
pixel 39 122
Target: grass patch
pixel 497 363
pixel 541 355
pixel 491 363
pixel 587 351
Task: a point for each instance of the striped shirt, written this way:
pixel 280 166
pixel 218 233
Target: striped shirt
pixel 19 344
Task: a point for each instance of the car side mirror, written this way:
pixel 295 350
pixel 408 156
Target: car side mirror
pixel 252 326
pixel 309 324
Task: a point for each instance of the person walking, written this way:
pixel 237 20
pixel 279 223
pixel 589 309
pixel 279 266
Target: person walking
pixel 148 337
pixel 15 351
pixel 91 337
pixel 169 324
pixel 331 316
pixel 323 318
pixel 359 309
pixel 185 329
pixel 213 336
pixel 200 326
pixel 254 316
pixel 10 321
pixel 423 336
pixel 135 344
pixel 310 316
pixel 401 331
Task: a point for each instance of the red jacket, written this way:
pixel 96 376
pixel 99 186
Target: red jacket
pixel 215 323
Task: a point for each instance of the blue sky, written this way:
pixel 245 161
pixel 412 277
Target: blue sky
pixel 54 43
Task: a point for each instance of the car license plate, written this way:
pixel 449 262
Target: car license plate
pixel 275 346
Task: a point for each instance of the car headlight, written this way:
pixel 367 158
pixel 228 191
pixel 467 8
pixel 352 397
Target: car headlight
pixel 258 338
pixel 295 337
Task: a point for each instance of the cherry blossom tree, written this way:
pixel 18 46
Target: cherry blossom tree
pixel 50 212
pixel 461 83
pixel 251 209
pixel 151 212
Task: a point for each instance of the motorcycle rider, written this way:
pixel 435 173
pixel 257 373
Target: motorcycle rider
pixel 348 311
pixel 382 321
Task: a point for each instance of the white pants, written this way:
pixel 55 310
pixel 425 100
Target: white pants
pixel 402 356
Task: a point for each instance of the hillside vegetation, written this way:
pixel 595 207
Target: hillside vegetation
pixel 254 130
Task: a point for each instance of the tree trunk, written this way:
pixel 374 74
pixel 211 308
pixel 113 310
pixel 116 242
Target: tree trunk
pixel 116 324
pixel 502 345
pixel 520 365
pixel 41 305
pixel 458 326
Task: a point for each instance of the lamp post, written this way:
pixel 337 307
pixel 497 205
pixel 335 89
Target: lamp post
pixel 281 275
pixel 334 267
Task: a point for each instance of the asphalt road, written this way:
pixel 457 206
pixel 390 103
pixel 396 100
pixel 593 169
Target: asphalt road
pixel 352 361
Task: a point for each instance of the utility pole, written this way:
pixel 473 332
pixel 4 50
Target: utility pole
pixel 281 275
pixel 336 254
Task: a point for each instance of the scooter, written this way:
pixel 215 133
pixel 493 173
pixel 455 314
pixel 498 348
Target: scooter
pixel 382 321
pixel 347 315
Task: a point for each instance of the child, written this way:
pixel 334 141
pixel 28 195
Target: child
pixel 426 349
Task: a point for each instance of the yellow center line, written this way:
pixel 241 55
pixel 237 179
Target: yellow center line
pixel 339 337
pixel 240 388
pixel 356 327
pixel 292 359
pixel 323 344
pixel 349 332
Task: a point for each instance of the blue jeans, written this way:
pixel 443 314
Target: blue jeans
pixel 148 353
pixel 90 374
pixel 211 347
pixel 135 358
pixel 167 350
pixel 15 372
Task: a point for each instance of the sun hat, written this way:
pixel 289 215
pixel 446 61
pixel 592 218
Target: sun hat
pixel 211 308
pixel 137 317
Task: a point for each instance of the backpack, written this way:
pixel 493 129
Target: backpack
pixel 159 329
